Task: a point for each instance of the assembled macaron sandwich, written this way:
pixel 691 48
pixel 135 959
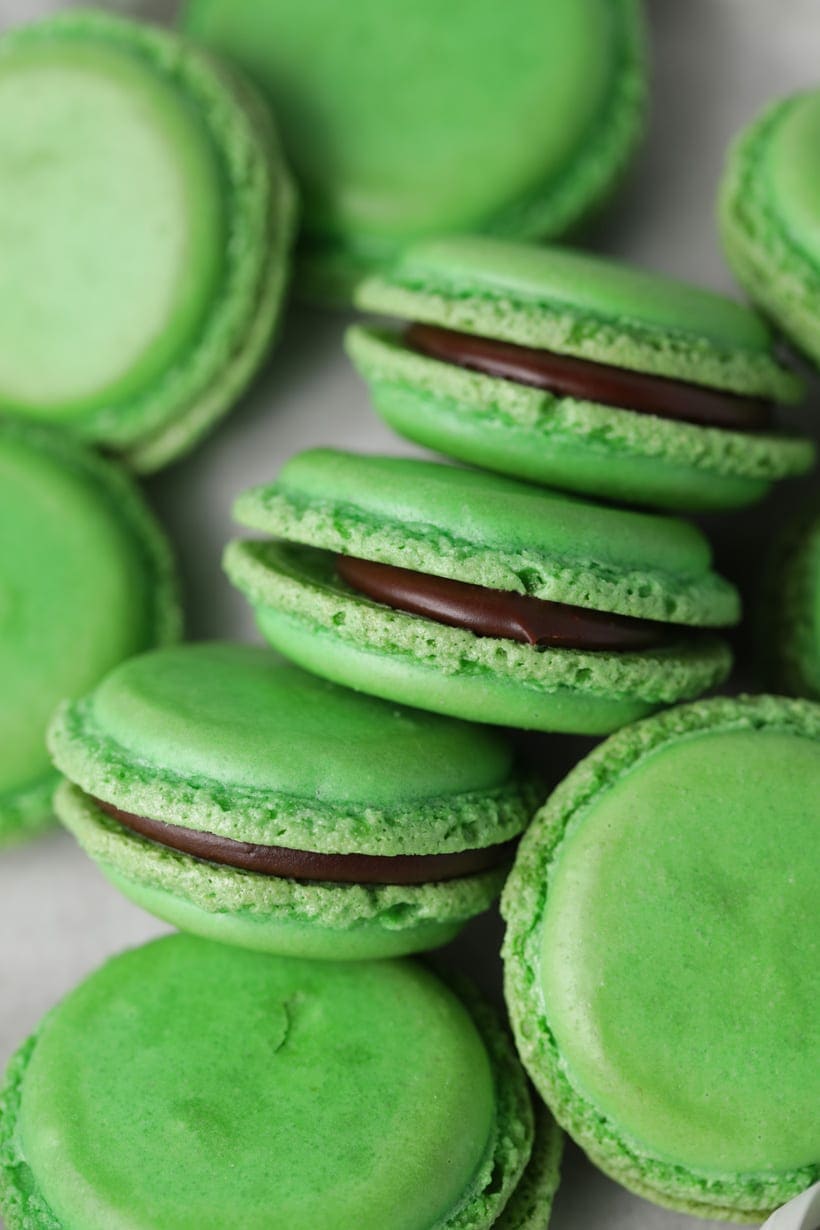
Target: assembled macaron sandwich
pixel 562 368
pixel 86 580
pixel 470 594
pixel 661 958
pixel 146 220
pixel 237 797
pixel 187 1084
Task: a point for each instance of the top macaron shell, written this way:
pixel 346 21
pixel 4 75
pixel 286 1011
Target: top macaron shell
pixel 769 215
pixel 589 308
pixel 513 120
pixel 660 955
pixel 489 531
pixel 86 580
pixel 151 215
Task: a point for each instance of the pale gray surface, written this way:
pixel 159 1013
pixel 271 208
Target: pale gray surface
pixel 716 62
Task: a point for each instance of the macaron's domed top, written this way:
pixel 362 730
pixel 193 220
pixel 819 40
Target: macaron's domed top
pixel 579 304
pixel 492 531
pixel 792 163
pixel 235 1089
pixel 86 580
pixel 234 739
pixel 666 907
pixel 513 118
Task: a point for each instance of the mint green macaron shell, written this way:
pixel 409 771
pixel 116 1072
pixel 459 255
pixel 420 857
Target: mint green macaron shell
pixel 130 161
pixel 789 618
pixel 517 124
pixel 769 217
pixel 580 446
pixel 578 304
pixel 307 614
pixel 660 961
pixel 241 1090
pixel 86 580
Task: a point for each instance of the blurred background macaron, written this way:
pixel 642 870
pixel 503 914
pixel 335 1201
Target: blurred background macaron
pixel 238 1089
pixel 566 369
pixel 769 216
pixel 237 797
pixel 467 593
pixel 86 580
pixel 788 623
pixel 145 220
pixel 516 119
pixel 661 955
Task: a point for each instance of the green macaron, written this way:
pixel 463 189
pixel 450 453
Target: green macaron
pixel 470 594
pixel 661 956
pixel 86 580
pixel 186 1084
pixel 237 797
pixel 514 119
pixel 770 216
pixel 565 369
pixel 789 614
pixel 145 221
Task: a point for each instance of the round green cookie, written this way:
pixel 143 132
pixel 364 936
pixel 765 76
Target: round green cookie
pixel 607 315
pixel 494 533
pixel 235 1089
pixel 86 579
pixel 661 956
pixel 770 215
pixel 789 622
pixel 513 119
pixel 231 743
pixel 145 221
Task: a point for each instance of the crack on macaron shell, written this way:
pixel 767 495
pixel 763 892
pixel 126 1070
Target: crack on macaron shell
pixel 246 149
pixel 523 902
pixel 535 435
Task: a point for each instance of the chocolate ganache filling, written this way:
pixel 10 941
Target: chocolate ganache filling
pixel 307 864
pixel 495 612
pixel 586 380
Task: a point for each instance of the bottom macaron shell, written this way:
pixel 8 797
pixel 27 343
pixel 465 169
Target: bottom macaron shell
pixel 306 613
pixel 305 1108
pixel 563 442
pixel 343 922
pixel 659 966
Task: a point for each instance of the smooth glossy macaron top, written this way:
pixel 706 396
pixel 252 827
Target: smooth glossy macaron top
pixel 770 217
pixel 235 1089
pixel 86 580
pixel 493 532
pixel 145 217
pixel 661 954
pixel 515 121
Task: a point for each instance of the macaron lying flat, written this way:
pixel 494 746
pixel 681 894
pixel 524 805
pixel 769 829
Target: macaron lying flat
pixel 237 1089
pixel 514 119
pixel 146 217
pixel 565 369
pixel 789 623
pixel 86 579
pixel 235 796
pixel 769 215
pixel 470 594
pixel 661 955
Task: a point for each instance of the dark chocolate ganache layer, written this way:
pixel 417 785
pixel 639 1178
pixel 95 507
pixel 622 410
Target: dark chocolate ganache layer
pixel 308 865
pixel 586 380
pixel 493 612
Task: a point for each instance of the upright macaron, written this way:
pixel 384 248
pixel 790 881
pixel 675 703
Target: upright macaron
pixel 789 611
pixel 86 580
pixel 770 215
pixel 188 1084
pixel 470 594
pixel 239 798
pixel 562 368
pixel 145 220
pixel 514 119
pixel 661 956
